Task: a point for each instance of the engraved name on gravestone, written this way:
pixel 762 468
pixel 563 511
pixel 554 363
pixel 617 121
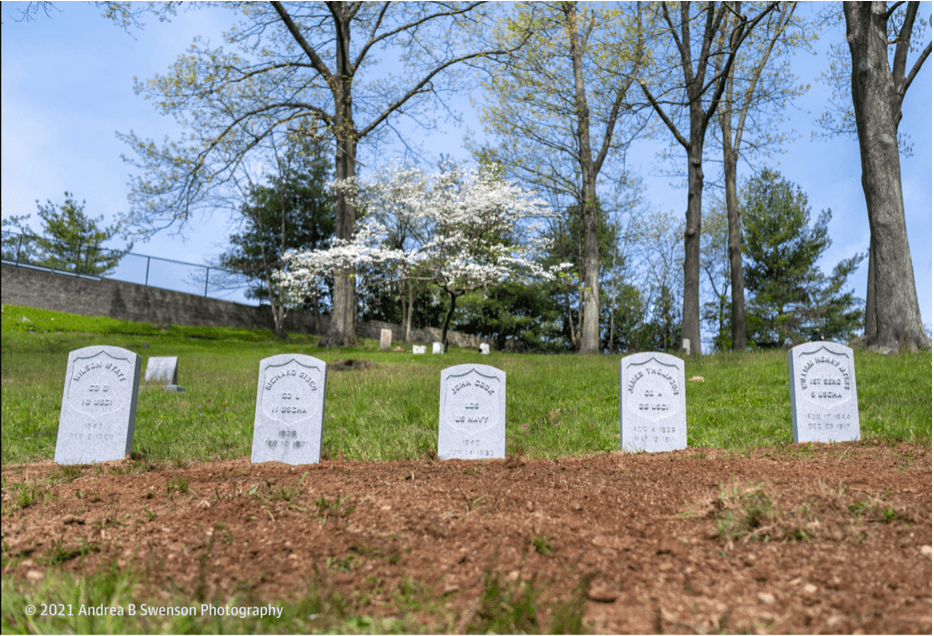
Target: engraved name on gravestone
pixel 652 413
pixel 98 405
pixel 823 393
pixel 289 421
pixel 472 414
pixel 385 339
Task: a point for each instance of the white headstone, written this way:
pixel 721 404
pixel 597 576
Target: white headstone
pixel 437 347
pixel 419 349
pixel 652 413
pixel 385 339
pixel 98 406
pixel 472 414
pixel 164 371
pixel 823 393
pixel 289 421
pixel 484 348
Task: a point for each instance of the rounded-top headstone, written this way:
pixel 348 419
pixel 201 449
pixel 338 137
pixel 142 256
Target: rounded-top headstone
pixel 472 413
pixel 98 405
pixel 289 421
pixel 822 379
pixel 652 413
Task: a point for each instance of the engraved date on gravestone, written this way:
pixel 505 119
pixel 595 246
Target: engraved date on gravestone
pixel 289 409
pixel 472 417
pixel 98 405
pixel 823 393
pixel 652 403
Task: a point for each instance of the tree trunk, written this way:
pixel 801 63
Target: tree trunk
pixel 447 319
pixel 734 240
pixel 690 313
pixel 893 317
pixel 316 309
pixel 342 331
pixel 590 327
pixel 408 314
pixel 570 313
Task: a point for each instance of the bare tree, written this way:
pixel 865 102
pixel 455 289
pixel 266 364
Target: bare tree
pixel 695 81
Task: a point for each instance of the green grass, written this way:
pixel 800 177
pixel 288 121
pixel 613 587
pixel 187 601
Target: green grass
pixel 557 406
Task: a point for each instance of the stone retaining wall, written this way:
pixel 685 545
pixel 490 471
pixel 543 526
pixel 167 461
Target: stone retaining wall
pixel 128 301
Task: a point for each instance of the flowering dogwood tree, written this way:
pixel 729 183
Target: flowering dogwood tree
pixel 466 230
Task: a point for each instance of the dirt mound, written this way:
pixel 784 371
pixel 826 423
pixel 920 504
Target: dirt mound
pixel 829 538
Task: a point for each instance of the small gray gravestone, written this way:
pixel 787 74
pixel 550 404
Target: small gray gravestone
pixel 652 413
pixel 164 371
pixel 484 349
pixel 385 339
pixel 98 406
pixel 823 393
pixel 437 347
pixel 472 414
pixel 289 421
pixel 419 349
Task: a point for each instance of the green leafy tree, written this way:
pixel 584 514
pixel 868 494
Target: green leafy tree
pixel 293 209
pixel 285 64
pixel 516 315
pixel 70 241
pixel 758 87
pixel 717 266
pixel 791 296
pixel 561 109
pixel 658 247
pixel 568 244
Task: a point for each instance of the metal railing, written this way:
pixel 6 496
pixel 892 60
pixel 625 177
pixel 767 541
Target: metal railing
pixel 22 250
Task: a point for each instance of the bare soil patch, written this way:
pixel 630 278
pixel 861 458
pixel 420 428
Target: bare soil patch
pixel 829 538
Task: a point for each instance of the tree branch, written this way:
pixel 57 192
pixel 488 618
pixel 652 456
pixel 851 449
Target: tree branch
pixel 658 109
pixel 917 67
pixel 316 61
pixel 904 42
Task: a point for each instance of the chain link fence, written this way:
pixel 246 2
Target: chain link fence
pixel 88 261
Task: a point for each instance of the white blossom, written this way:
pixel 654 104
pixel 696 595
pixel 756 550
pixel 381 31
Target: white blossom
pixel 470 229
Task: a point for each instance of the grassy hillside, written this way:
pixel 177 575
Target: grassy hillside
pixel 556 405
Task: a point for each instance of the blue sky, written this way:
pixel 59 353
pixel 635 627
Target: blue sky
pixel 67 87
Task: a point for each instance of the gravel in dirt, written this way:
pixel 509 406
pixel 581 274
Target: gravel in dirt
pixel 823 538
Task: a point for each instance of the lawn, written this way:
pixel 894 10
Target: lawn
pixel 556 405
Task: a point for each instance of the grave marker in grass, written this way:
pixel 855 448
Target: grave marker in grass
pixel 652 413
pixel 385 339
pixel 98 405
pixel 289 421
pixel 418 349
pixel 437 347
pixel 472 413
pixel 164 370
pixel 823 393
